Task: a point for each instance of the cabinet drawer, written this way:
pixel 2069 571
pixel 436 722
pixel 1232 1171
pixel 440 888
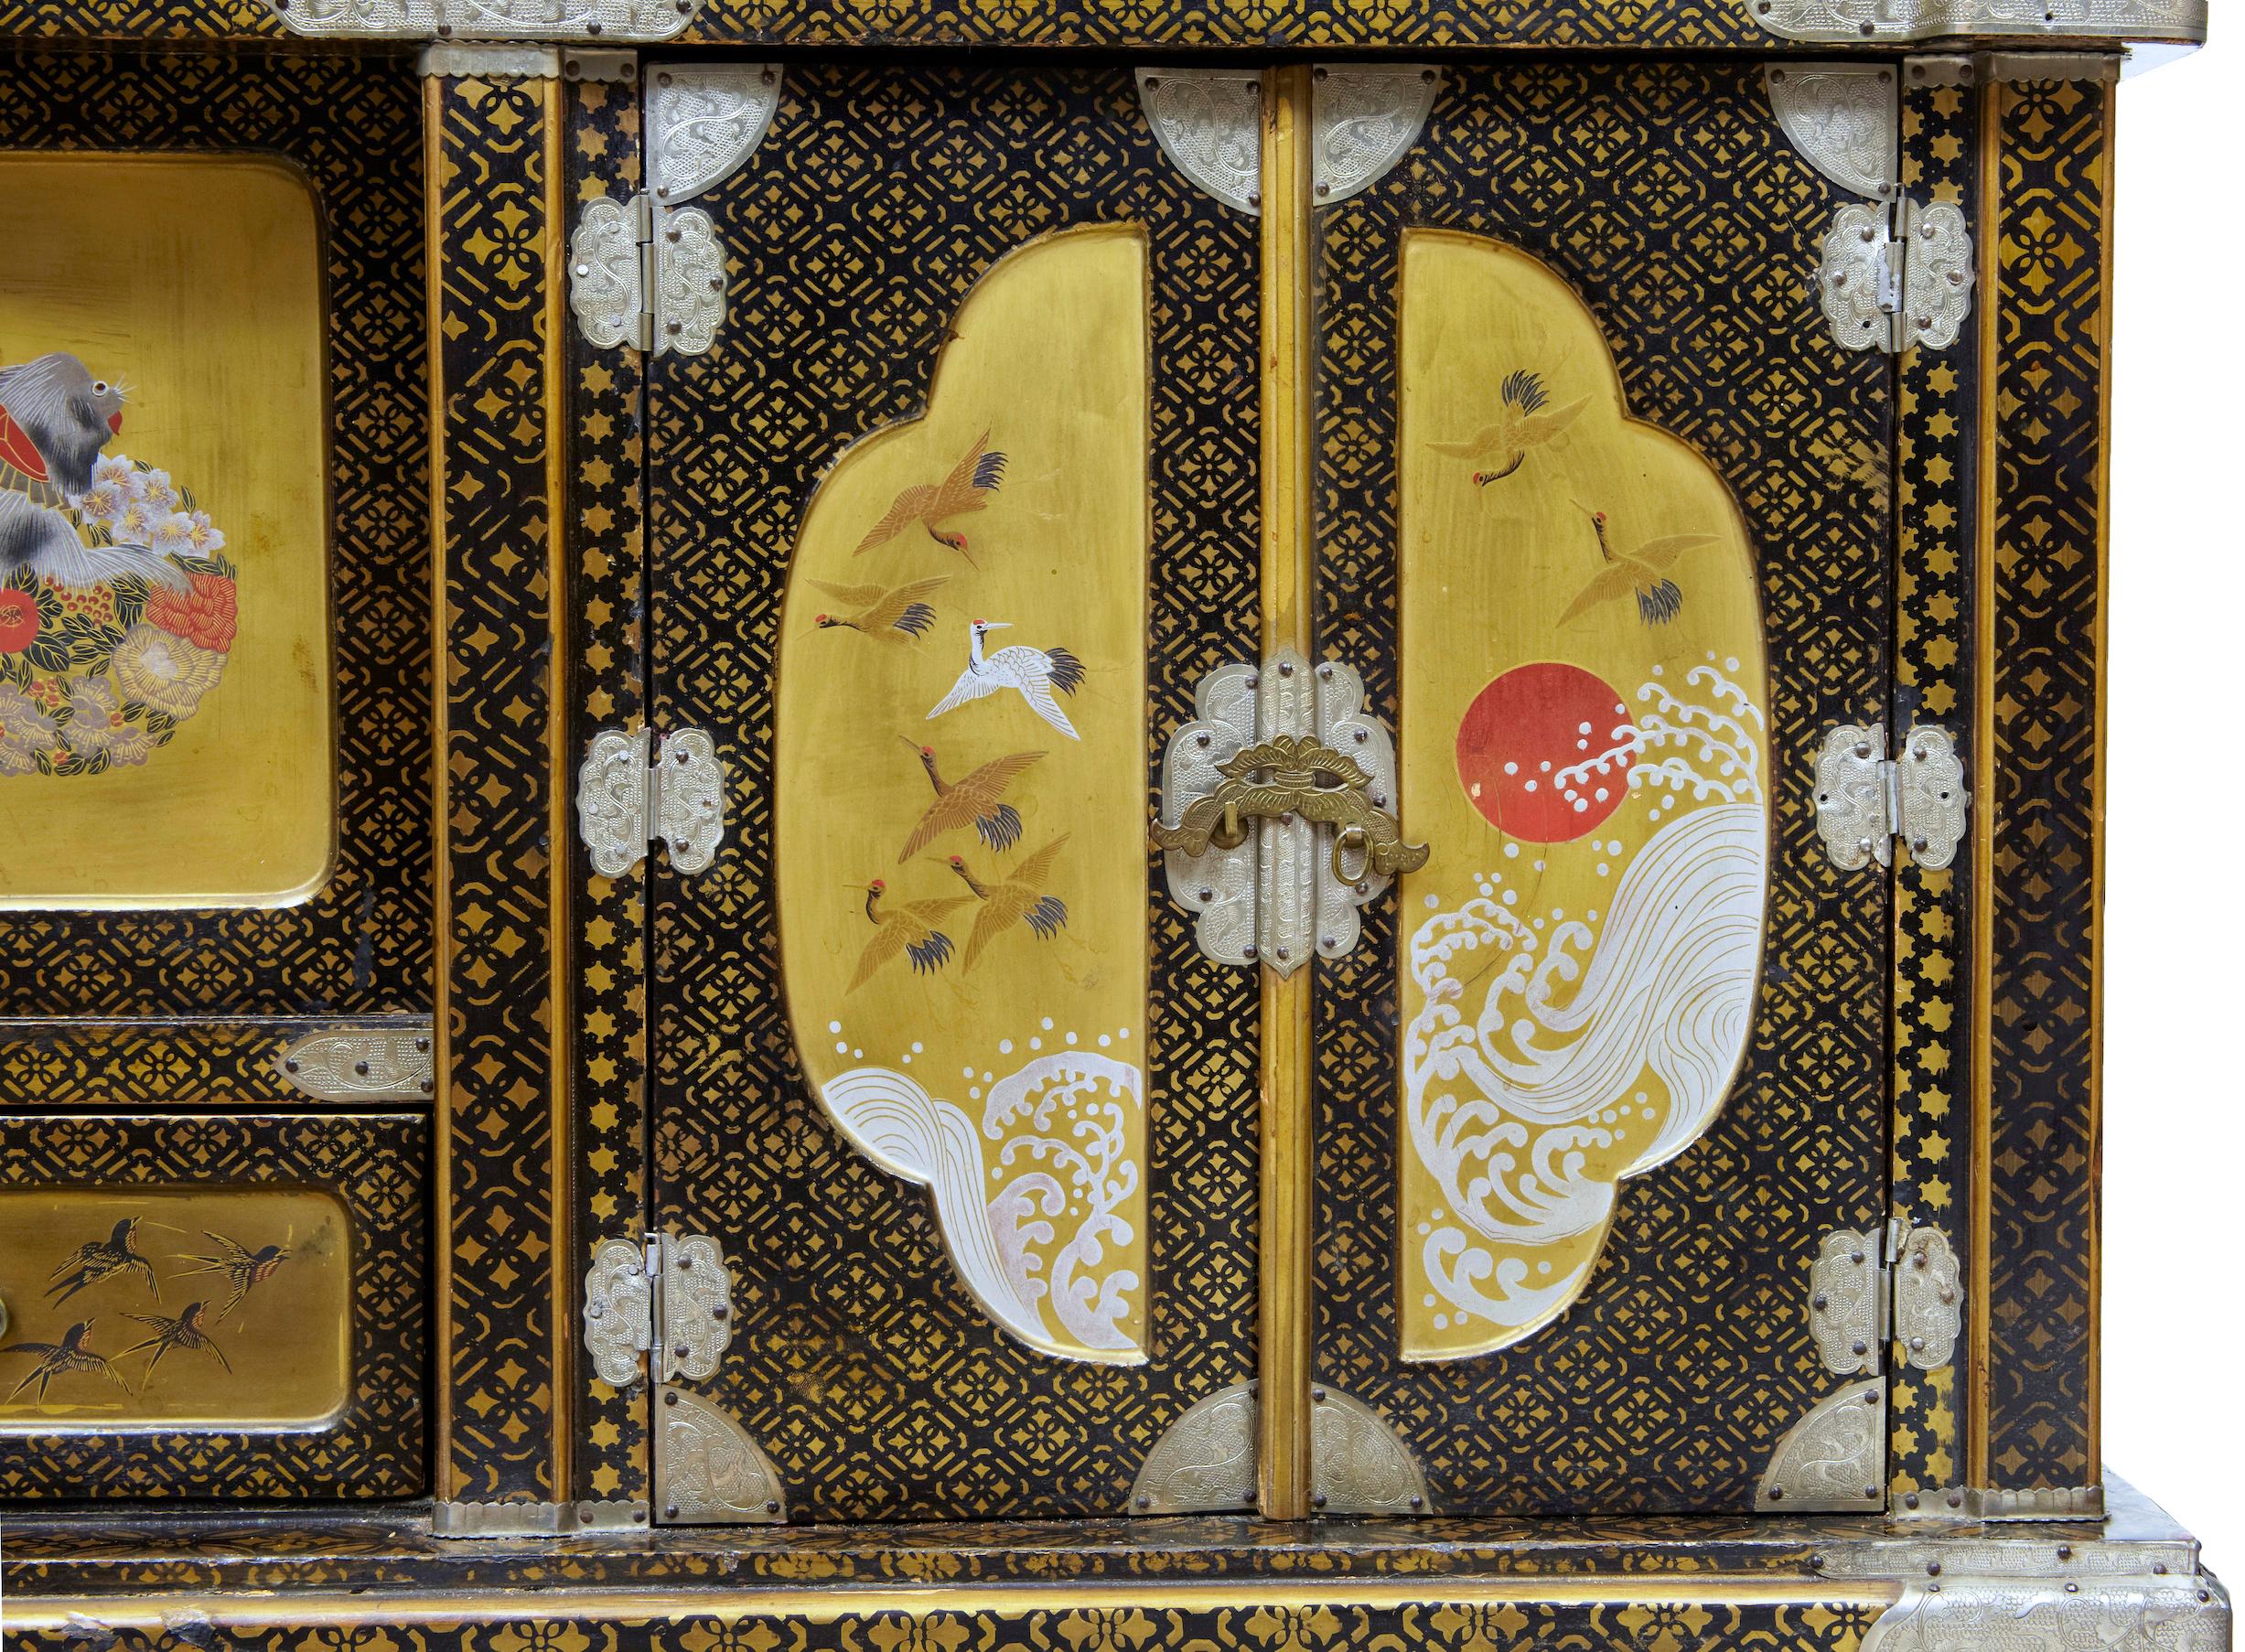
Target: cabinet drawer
pixel 201 1306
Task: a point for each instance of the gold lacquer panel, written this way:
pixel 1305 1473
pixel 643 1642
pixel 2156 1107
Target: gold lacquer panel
pixel 166 718
pixel 1583 703
pixel 961 747
pixel 183 1309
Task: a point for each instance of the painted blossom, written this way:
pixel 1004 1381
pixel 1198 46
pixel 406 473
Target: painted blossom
pixel 164 672
pixel 98 725
pixel 26 731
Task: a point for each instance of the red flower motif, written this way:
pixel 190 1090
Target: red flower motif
pixel 19 621
pixel 203 614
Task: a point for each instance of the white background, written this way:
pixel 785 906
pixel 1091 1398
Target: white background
pixel 2175 915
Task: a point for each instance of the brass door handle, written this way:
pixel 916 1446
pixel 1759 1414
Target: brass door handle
pixel 1301 776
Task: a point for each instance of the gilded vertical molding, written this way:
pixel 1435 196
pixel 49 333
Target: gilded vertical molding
pixel 2047 685
pixel 493 315
pixel 1289 1160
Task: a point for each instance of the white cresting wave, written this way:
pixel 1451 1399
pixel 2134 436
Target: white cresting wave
pixel 1054 1137
pixel 1506 1099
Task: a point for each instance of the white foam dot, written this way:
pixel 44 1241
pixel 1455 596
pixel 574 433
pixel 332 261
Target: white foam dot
pixel 1512 851
pixel 1105 1040
pixel 833 1026
pixel 1582 805
pixel 1036 1044
pixel 1048 1024
pixel 1600 794
pixel 1602 868
pixel 1512 769
pixel 1545 767
pixel 1006 1046
pixel 1530 785
pixel 1582 728
pixel 1071 1037
pixel 842 1047
pixel 974 1092
pixel 1432 901
pixel 918 1048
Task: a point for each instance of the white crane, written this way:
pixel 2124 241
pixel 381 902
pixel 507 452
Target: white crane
pixel 1034 672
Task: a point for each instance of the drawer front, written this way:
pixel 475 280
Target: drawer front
pixel 212 1307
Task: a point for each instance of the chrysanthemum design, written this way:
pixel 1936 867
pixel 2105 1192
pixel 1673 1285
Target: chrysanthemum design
pixel 96 677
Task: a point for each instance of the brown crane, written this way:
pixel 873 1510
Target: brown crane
pixel 978 800
pixel 1524 424
pixel 899 614
pixel 1017 898
pixel 910 928
pixel 1642 572
pixel 931 504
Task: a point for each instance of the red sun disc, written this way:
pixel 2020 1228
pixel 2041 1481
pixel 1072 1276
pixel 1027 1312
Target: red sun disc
pixel 1520 736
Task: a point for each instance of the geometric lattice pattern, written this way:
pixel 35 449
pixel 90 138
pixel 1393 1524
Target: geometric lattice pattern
pixel 1269 25
pixel 376 1166
pixel 501 1044
pixel 606 545
pixel 1670 198
pixel 878 198
pixel 1308 1622
pixel 2050 555
pixel 1937 516
pixel 361 945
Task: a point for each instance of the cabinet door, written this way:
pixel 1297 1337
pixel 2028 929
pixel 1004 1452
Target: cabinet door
pixel 947 523
pixel 1605 526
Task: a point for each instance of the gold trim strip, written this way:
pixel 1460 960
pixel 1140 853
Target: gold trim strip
pixel 821 1605
pixel 433 190
pixel 1975 1399
pixel 1287 1243
pixel 561 1276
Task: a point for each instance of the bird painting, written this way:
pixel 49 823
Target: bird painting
pixel 1033 674
pixel 55 419
pixel 102 1259
pixel 1642 573
pixel 931 504
pixel 1527 422
pixel 978 800
pixel 909 929
pixel 241 1268
pixel 184 1331
pixel 899 615
pixel 1019 897
pixel 57 1359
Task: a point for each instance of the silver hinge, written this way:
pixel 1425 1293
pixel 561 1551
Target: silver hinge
pixel 1865 799
pixel 666 1300
pixel 627 800
pixel 1893 272
pixel 1898 1285
pixel 646 276
pixel 1277 817
pixel 650 272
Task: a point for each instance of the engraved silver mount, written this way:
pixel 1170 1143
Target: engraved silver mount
pixel 1898 1287
pixel 388 1060
pixel 1893 272
pixel 650 272
pixel 1364 118
pixel 664 1305
pixel 1902 22
pixel 613 22
pixel 1208 122
pixel 1865 799
pixel 1277 898
pixel 1205 1461
pixel 629 796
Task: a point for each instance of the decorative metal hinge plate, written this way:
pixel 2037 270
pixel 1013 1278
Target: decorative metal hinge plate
pixel 1864 799
pixel 1900 22
pixel 1893 272
pixel 627 800
pixel 669 1297
pixel 1277 812
pixel 1365 117
pixel 1205 1462
pixel 514 1519
pixel 1208 121
pixel 650 272
pixel 390 1060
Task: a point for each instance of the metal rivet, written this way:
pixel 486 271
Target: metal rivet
pixel 2065 1551
pixel 1919 1260
pixel 1318 1501
pixel 1855 1257
pixel 1917 1345
pixel 584 1511
pixel 1248 951
pixel 359 1067
pixel 1154 83
pixel 592 1309
pixel 1207 895
pixel 1909 1499
pixel 1417 1501
pixel 1870 1399
pixel 1362 735
pixel 2159 1569
pixel 664 79
pixel 1318 73
pixel 1956 1499
pixel 669 1398
pixel 1255 198
pixel 721 1312
pixel 1776 1494
pixel 584 269
pixel 1317 1396
pixel 1860 1347
pixel 290 1064
pixel 639 1517
pixel 2073 1588
pixel 1328 942
pixel 422 1044
pixel 670 1511
pixel 1201 741
pixel 1819 1301
pixel 1285 668
pixel 771 1506
pixel 1325 671
pixel 1933 1569
pixel 1324 189
pixel 1284 954
pixel 1144 1501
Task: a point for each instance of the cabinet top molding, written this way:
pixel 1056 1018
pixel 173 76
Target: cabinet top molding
pixel 1330 24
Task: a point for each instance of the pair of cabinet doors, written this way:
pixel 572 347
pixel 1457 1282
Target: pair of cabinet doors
pixel 997 455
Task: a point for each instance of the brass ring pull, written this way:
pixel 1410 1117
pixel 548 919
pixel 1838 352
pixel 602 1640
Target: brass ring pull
pixel 1351 838
pixel 1229 831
